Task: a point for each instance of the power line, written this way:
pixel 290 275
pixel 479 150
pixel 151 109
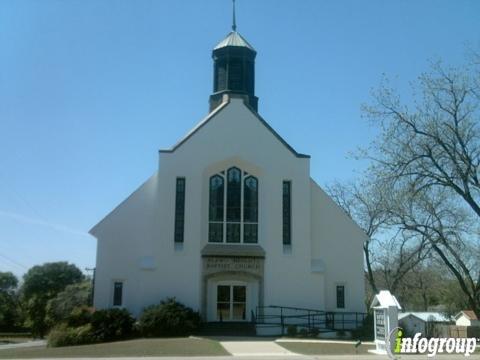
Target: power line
pixel 14 262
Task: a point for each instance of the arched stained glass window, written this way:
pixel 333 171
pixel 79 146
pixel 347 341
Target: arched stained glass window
pixel 233 207
pixel 234 204
pixel 250 210
pixel 234 194
pixel 250 202
pixel 216 213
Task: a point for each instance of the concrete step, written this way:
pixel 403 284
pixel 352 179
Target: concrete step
pixel 227 329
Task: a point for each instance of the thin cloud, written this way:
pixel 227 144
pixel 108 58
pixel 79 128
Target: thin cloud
pixel 56 227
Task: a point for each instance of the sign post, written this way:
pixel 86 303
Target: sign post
pixel 385 314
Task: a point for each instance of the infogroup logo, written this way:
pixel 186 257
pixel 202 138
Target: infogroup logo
pixel 431 346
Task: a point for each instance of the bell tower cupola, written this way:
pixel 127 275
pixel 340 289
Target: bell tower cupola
pixel 234 69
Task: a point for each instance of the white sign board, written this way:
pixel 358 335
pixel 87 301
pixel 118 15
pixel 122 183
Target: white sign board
pixel 385 313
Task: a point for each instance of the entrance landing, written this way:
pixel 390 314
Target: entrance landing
pixel 255 348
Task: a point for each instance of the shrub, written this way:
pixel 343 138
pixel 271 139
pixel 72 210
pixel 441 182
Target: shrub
pixel 62 335
pixel 111 324
pixel 80 316
pixel 169 318
pixel 366 331
pixel 292 330
pixel 313 332
pixel 60 307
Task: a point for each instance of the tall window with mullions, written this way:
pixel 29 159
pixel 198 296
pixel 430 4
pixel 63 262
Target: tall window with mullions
pixel 233 207
pixel 179 210
pixel 287 212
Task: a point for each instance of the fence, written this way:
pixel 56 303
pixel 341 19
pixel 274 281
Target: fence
pixel 444 330
pixel 309 319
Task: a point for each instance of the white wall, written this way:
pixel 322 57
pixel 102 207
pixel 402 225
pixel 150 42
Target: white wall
pixel 338 242
pixel 465 321
pixel 142 226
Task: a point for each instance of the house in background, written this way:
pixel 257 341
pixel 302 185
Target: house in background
pixel 416 322
pixel 231 221
pixel 467 318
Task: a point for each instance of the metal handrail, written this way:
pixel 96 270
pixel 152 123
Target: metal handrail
pixel 310 318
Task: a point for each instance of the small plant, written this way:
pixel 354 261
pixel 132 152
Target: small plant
pixel 292 330
pixel 169 318
pixel 62 335
pixel 80 316
pixel 112 324
pixel 313 332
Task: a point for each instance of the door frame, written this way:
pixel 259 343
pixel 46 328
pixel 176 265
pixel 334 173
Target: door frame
pixel 231 284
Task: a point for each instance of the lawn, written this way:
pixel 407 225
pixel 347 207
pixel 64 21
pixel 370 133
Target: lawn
pixel 140 347
pixel 306 348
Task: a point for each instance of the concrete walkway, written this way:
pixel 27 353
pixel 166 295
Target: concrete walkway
pixel 256 348
pixel 23 344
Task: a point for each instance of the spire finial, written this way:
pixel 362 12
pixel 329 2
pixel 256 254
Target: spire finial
pixel 234 23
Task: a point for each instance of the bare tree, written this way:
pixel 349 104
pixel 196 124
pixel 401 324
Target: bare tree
pixel 429 153
pixel 389 251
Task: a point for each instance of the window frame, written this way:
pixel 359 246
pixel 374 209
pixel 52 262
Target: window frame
pixel 289 240
pixel 225 222
pixel 179 238
pixel 122 294
pixel 337 286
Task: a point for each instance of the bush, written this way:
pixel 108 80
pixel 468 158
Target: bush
pixel 292 330
pixel 314 332
pixel 365 332
pixel 80 316
pixel 60 307
pixel 169 318
pixel 111 324
pixel 62 335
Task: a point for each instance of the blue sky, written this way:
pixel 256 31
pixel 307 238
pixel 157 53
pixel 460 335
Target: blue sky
pixel 91 89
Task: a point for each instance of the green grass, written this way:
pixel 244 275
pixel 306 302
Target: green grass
pixel 325 348
pixel 140 347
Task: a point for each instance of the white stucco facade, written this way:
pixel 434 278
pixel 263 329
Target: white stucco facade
pixel 197 231
pixel 136 240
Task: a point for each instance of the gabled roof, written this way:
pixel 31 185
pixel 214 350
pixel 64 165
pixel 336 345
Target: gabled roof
pixel 469 314
pixel 426 316
pixel 215 113
pixel 234 39
pixel 385 299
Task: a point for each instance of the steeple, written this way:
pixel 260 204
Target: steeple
pixel 234 68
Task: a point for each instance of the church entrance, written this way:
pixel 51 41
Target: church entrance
pixel 232 286
pixel 231 302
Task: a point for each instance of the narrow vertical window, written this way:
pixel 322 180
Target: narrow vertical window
pixel 340 297
pixel 234 196
pixel 250 210
pixel 117 293
pixel 179 210
pixel 287 213
pixel 215 213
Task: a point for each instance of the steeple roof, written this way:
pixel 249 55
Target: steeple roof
pixel 234 39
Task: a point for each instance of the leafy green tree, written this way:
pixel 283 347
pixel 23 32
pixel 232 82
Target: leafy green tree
pixel 8 301
pixel 41 284
pixel 74 296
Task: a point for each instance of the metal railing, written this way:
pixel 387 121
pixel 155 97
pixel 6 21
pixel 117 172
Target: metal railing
pixel 309 319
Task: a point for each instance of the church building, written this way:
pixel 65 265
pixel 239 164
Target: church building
pixel 231 221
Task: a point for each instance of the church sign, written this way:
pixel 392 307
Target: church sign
pixel 233 264
pixel 380 324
